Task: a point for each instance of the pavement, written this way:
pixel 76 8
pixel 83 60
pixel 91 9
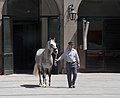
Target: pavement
pixel 88 85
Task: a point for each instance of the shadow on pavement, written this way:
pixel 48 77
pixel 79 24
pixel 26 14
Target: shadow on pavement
pixel 29 86
pixel 35 86
pixel 57 87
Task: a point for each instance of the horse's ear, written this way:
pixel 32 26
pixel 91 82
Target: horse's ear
pixel 52 38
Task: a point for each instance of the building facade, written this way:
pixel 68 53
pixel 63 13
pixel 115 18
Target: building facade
pixel 102 53
pixel 26 25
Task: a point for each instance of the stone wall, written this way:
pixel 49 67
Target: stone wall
pixel 1 8
pixel 70 27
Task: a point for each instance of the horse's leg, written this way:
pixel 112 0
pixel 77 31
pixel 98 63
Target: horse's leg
pixel 44 77
pixel 49 75
pixel 39 73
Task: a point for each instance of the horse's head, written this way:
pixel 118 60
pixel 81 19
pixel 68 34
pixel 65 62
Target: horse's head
pixel 52 46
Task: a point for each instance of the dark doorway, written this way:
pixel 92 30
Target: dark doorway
pixel 95 52
pixel 111 43
pixel 103 52
pixel 26 41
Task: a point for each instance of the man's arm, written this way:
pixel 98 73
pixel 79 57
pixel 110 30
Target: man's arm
pixel 77 59
pixel 62 56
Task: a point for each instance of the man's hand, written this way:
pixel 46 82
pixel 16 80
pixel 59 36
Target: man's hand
pixel 56 60
pixel 78 65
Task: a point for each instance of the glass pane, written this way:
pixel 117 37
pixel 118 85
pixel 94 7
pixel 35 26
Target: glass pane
pixel 26 42
pixel 95 35
pixel 95 60
pixel 112 44
pixel 54 33
pixel 54 28
pixel 111 34
pixel 112 60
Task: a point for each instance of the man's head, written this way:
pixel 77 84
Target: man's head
pixel 70 45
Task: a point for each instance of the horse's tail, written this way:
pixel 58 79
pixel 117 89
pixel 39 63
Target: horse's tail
pixel 35 71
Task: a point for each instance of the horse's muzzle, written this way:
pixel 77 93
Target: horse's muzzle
pixel 55 50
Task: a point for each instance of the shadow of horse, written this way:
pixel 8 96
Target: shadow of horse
pixel 29 86
pixel 57 87
pixel 36 86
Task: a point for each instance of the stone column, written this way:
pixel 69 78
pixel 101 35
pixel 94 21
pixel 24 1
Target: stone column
pixel 70 26
pixel 60 5
pixel 1 9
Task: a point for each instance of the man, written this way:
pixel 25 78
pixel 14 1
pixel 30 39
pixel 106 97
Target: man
pixel 72 62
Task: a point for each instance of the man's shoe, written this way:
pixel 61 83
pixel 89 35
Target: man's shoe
pixel 70 86
pixel 73 86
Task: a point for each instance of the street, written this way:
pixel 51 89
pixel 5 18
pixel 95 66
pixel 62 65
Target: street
pixel 88 85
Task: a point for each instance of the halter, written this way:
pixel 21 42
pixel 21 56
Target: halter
pixel 52 46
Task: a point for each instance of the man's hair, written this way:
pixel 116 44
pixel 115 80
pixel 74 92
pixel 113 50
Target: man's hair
pixel 70 43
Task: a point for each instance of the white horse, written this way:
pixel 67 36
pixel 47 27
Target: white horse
pixel 44 60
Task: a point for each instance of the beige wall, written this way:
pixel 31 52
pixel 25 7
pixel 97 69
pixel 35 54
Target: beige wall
pixel 70 27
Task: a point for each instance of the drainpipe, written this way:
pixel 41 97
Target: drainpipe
pixel 85 33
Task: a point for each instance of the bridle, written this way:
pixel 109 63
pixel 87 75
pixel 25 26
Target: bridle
pixel 52 47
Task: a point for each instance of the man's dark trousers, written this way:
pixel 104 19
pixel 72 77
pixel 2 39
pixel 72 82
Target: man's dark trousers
pixel 71 68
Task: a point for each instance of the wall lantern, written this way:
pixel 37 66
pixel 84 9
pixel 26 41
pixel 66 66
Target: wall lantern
pixel 72 13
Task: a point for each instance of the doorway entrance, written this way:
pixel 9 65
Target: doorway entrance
pixel 21 40
pixel 103 53
pixel 28 37
pixel 26 41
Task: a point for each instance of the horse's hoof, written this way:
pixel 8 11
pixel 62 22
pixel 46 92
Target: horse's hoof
pixel 40 84
pixel 44 85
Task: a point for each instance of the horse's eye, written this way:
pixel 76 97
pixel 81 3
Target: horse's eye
pixel 51 45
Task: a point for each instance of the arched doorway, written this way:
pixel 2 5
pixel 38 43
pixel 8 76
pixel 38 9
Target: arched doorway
pixel 29 30
pixel 26 41
pixel 103 39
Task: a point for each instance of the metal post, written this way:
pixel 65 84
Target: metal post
pixel 85 33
